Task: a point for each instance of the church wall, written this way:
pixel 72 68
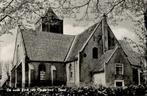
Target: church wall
pixel 60 74
pixel 12 78
pixel 19 58
pixel 19 54
pixel 99 79
pixel 110 69
pixel 72 73
pixel 87 61
pixel 102 43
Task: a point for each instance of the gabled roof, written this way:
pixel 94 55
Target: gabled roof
pixel 46 46
pixel 104 59
pixel 80 41
pixel 58 47
pixel 133 57
pixel 50 12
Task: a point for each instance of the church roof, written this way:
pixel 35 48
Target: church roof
pixel 80 41
pixel 104 59
pixel 133 57
pixel 46 46
pixel 58 47
pixel 50 12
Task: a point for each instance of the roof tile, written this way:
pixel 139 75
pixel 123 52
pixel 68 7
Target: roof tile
pixel 46 46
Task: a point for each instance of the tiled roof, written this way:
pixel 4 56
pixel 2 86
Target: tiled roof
pixel 80 40
pixel 104 59
pixel 56 47
pixel 46 46
pixel 133 56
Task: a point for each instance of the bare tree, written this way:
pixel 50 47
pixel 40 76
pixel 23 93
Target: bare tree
pixel 20 12
pixel 25 12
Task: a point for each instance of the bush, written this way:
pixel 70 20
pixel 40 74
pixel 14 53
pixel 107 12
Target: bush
pixel 83 91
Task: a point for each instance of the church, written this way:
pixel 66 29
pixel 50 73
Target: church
pixel 47 57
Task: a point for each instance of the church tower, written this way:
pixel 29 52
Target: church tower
pixel 51 23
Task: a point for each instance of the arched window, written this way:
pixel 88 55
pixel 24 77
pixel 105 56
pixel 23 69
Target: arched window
pixel 45 25
pixel 95 52
pixel 42 72
pixel 70 72
pixel 53 74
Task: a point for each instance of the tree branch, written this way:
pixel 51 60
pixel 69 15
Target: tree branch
pixel 115 5
pixel 97 5
pixel 7 6
pixel 80 6
pixel 3 18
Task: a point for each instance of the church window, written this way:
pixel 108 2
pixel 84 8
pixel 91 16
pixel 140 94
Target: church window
pixel 84 54
pixel 43 26
pixel 119 68
pixel 53 74
pixel 42 72
pixel 119 83
pixel 70 72
pixel 113 42
pixel 93 38
pixel 95 52
pixel 97 38
pixel 135 76
pixel 54 28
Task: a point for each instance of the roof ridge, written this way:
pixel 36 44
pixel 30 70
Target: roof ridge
pixel 112 54
pixel 87 29
pixel 90 36
pixel 41 32
pixel 128 55
pixel 104 58
pixel 15 46
pixel 48 46
pixel 71 47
